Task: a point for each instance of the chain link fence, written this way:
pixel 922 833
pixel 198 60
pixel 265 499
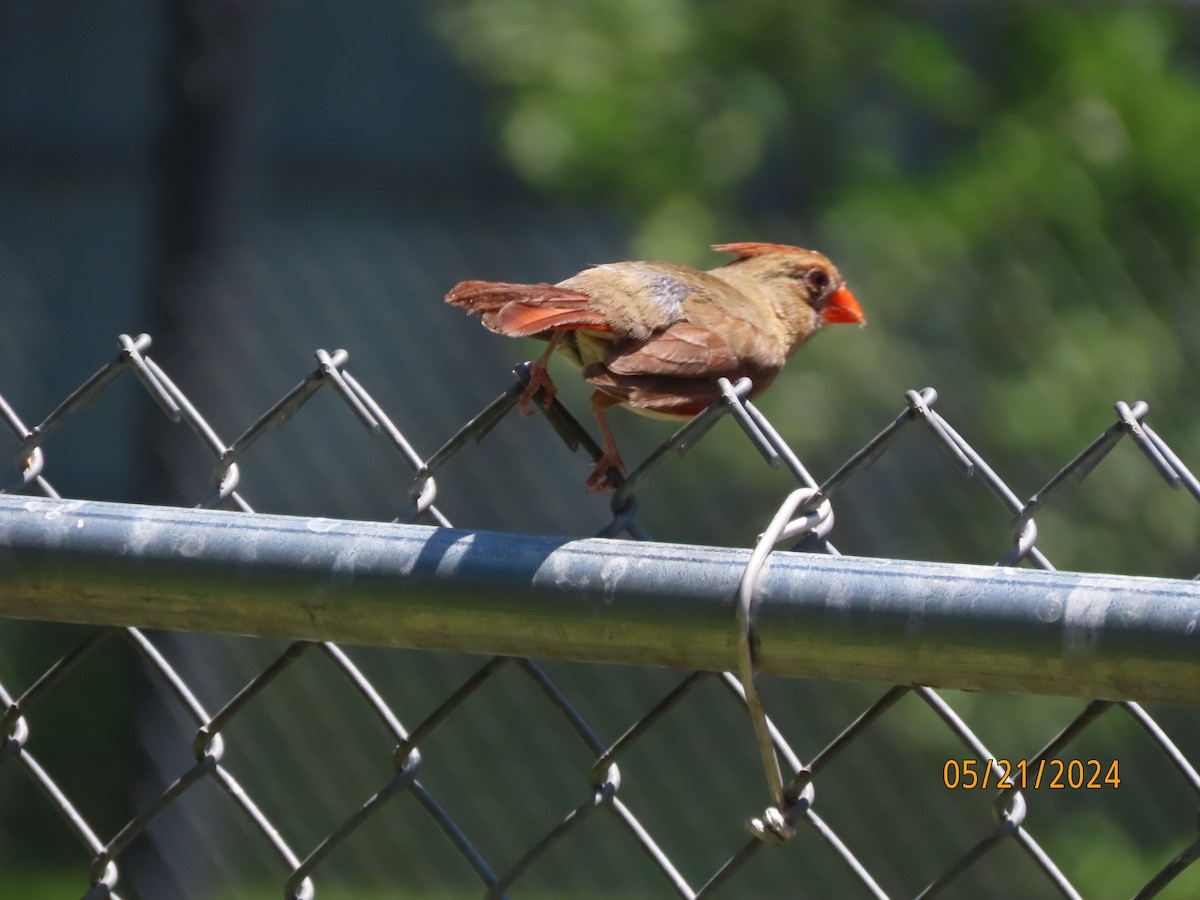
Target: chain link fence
pixel 621 798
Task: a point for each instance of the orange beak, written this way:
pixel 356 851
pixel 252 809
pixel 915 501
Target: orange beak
pixel 842 307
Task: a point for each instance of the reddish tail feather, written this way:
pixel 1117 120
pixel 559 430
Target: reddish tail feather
pixel 524 310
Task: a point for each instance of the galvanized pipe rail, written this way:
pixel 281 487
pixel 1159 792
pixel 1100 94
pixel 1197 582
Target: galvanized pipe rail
pixel 956 626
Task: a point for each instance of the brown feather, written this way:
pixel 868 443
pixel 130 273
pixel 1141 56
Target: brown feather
pixel 682 350
pixel 517 319
pixel 673 374
pixel 487 296
pixel 665 396
pixel 525 310
pixel 749 249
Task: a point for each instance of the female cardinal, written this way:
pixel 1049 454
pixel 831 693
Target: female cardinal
pixel 655 337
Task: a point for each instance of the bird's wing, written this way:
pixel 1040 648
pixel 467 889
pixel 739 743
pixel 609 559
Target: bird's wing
pixel 627 300
pixel 525 310
pixel 675 371
pixel 708 345
pixel 640 299
pixel 682 350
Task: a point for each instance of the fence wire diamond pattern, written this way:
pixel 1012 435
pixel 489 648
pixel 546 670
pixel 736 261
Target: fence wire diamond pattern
pixel 806 517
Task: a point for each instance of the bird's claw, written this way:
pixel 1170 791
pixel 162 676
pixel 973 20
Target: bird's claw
pixel 539 380
pixel 601 480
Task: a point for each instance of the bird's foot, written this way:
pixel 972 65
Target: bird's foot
pixel 539 380
pixel 601 478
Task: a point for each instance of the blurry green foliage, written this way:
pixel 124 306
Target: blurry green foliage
pixel 985 116
pixel 1014 195
pixel 1011 189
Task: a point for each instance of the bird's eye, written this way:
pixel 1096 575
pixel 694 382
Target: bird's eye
pixel 817 279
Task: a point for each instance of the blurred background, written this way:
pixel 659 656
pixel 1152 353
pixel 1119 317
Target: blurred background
pixel 1011 190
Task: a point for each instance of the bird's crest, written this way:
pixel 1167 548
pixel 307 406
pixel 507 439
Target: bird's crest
pixel 747 249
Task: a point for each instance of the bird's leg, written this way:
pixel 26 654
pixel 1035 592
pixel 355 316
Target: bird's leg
pixel 600 481
pixel 539 379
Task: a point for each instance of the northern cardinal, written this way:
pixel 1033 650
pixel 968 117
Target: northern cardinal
pixel 655 337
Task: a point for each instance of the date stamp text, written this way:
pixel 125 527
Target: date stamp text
pixel 1055 774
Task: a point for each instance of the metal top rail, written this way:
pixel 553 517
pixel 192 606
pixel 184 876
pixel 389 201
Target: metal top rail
pixel 970 627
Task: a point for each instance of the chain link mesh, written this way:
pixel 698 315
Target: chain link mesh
pixel 496 847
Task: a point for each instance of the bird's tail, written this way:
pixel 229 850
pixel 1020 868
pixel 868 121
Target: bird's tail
pixel 486 296
pixel 523 310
